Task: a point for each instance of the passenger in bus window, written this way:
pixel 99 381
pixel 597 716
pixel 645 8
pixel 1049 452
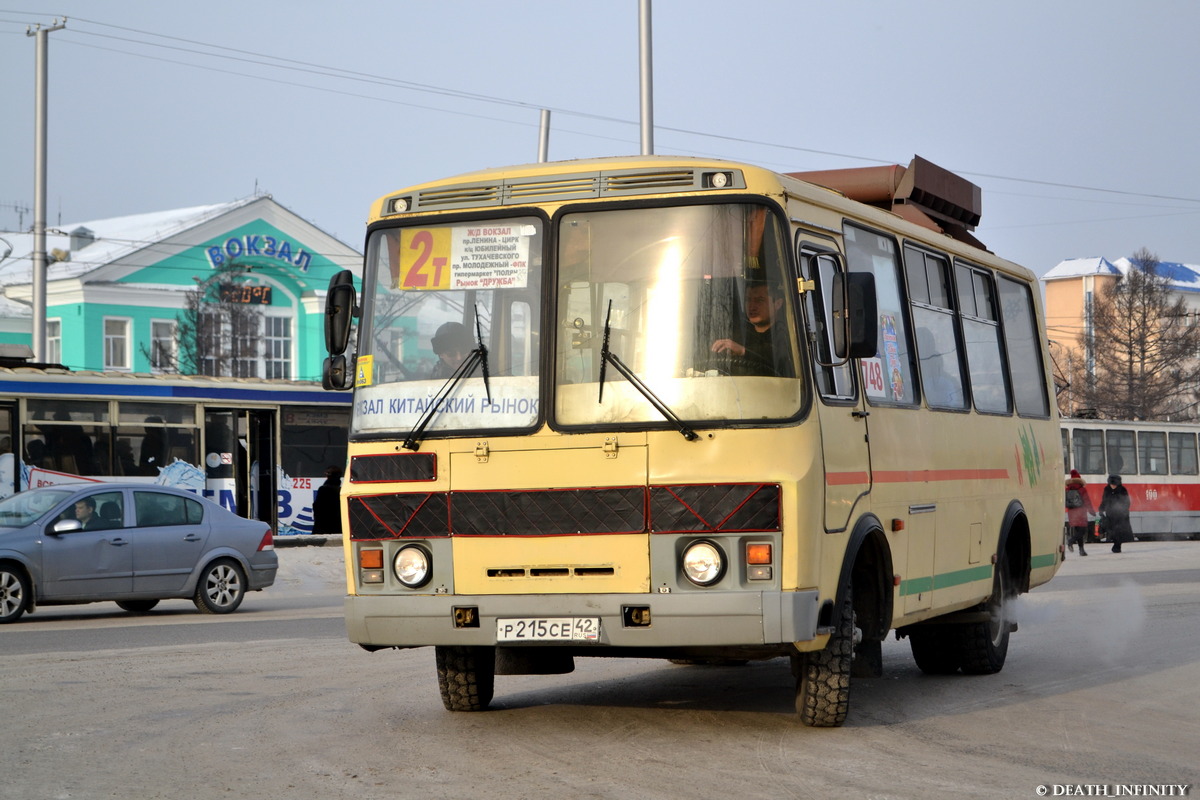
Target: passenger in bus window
pixel 763 303
pixel 451 344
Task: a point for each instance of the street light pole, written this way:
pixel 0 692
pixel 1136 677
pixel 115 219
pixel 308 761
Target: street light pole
pixel 39 188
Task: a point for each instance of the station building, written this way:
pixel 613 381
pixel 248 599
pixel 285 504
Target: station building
pixel 116 288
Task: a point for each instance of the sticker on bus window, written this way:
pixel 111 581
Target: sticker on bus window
pixel 471 257
pixel 364 367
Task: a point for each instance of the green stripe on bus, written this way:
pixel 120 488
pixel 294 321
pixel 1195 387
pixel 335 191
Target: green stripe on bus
pixel 948 579
pixel 945 580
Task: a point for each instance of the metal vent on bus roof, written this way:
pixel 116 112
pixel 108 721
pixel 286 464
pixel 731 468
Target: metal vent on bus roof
pixel 579 186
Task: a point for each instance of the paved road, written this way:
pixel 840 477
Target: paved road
pixel 1102 686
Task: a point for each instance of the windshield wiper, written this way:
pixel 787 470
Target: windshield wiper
pixel 474 358
pixel 609 357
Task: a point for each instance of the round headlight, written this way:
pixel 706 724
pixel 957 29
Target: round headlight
pixel 411 566
pixel 703 563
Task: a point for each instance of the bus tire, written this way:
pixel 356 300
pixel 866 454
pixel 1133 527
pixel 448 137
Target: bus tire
pixel 823 677
pixel 466 676
pixel 14 593
pixel 985 644
pixel 937 649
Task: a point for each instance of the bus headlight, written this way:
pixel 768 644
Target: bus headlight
pixel 411 566
pixel 703 563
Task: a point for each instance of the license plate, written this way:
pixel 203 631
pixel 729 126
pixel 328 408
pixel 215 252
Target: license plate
pixel 548 629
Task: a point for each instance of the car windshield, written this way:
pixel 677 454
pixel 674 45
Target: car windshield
pixel 691 299
pixel 22 509
pixel 440 291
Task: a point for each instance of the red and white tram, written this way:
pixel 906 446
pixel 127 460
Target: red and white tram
pixel 1157 462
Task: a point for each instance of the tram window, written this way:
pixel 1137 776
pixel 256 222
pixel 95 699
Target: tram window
pixel 1152 453
pixel 313 441
pixel 1122 458
pixel 1089 451
pixel 1183 454
pixel 137 413
pixel 981 332
pixel 889 376
pixel 68 444
pixel 1027 373
pixel 1066 448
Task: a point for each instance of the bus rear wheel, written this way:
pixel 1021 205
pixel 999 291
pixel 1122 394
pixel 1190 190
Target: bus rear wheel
pixel 466 676
pixel 985 644
pixel 823 677
pixel 937 650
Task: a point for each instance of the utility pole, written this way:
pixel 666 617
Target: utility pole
pixel 544 137
pixel 39 187
pixel 647 77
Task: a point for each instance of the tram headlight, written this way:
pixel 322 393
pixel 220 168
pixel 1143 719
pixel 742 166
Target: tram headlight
pixel 703 563
pixel 412 566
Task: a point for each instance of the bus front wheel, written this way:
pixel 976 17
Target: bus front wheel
pixel 823 677
pixel 466 676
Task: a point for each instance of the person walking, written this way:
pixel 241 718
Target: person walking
pixel 1079 510
pixel 1114 505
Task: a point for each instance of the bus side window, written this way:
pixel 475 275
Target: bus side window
pixel 1024 348
pixel 981 334
pixel 890 375
pixel 937 338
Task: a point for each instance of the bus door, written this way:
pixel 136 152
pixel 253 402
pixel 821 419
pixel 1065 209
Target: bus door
pixel 239 461
pixel 845 447
pixel 8 445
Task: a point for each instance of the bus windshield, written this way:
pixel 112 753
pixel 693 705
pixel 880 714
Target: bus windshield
pixel 691 299
pixel 439 292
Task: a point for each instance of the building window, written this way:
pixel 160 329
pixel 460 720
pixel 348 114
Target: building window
pixel 116 343
pixel 162 345
pixel 277 355
pixel 54 341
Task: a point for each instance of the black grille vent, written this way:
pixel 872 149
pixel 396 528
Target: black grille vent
pixel 619 510
pixel 391 516
pixel 393 467
pixel 707 508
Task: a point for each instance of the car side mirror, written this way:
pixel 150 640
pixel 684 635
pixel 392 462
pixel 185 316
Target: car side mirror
pixel 65 526
pixel 855 315
pixel 341 306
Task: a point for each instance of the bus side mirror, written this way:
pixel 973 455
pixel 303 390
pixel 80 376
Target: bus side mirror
pixel 855 315
pixel 340 309
pixel 335 377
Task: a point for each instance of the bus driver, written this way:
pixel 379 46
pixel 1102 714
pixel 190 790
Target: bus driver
pixel 762 305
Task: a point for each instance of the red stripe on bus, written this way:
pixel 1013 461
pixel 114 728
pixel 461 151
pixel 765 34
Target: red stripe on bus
pixel 916 476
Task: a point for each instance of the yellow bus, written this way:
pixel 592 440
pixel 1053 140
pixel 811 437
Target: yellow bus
pixel 666 407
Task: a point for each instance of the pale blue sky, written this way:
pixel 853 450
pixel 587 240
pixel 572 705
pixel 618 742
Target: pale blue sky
pixel 1077 118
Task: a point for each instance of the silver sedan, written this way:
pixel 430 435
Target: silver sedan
pixel 135 544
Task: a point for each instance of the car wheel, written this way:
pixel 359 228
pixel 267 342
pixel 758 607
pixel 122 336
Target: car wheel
pixel 466 676
pixel 14 593
pixel 136 606
pixel 221 587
